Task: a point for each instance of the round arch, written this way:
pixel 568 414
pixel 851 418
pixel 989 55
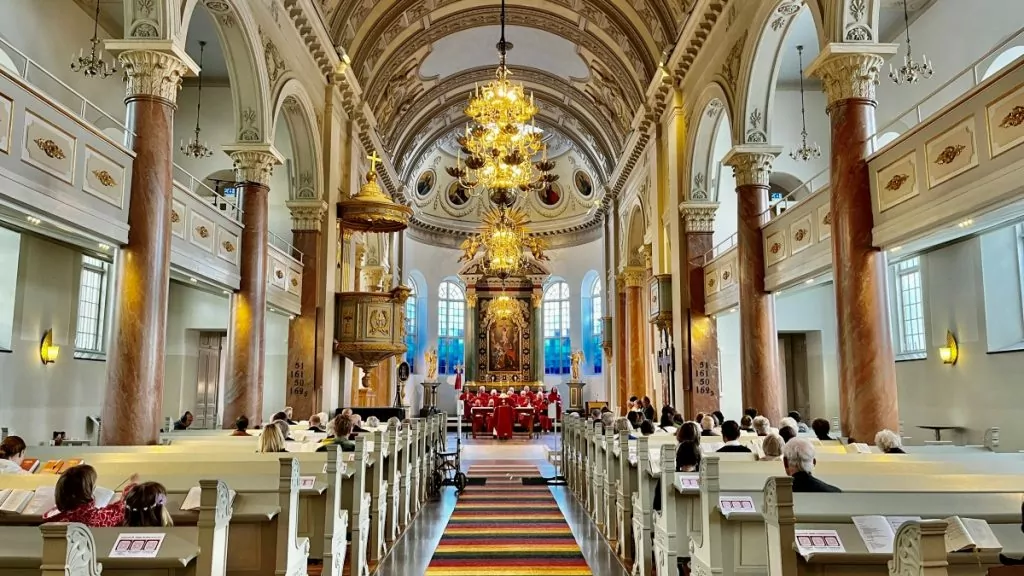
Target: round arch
pixel 243 52
pixel 294 103
pixel 713 106
pixel 634 236
pixel 760 66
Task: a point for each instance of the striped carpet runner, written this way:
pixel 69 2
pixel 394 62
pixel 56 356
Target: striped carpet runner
pixel 507 529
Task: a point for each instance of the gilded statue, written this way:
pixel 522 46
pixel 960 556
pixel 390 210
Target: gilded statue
pixel 431 359
pixel 537 247
pixel 469 247
pixel 575 359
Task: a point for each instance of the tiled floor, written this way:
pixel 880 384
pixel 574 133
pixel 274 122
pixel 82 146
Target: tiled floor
pixel 412 553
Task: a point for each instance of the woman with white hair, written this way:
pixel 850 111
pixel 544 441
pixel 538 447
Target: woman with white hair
pixel 771 447
pixel 707 425
pixel 798 458
pixel 889 442
pixel 761 425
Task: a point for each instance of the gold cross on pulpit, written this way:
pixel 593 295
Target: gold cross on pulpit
pixel 374 159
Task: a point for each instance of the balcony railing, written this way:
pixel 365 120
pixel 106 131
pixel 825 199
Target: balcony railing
pixel 779 206
pixel 230 207
pixel 286 247
pixel 719 249
pixel 48 84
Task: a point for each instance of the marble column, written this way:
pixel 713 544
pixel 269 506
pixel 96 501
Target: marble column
pixel 867 373
pixel 537 309
pixel 759 341
pixel 621 368
pixel 470 362
pixel 701 342
pixel 303 381
pixel 634 278
pixel 243 392
pixel 132 405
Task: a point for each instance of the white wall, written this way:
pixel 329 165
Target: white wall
pixel 803 309
pixel 276 369
pixel 37 399
pixel 786 128
pixel 189 311
pixel 726 216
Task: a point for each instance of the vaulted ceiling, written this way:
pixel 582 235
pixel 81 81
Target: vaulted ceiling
pixel 587 61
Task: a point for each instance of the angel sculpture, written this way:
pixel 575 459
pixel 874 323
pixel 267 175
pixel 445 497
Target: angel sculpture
pixel 575 359
pixel 469 247
pixel 537 246
pixel 431 358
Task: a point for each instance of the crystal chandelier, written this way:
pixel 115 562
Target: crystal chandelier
pixel 911 72
pixel 503 307
pixel 93 65
pixel 804 152
pixel 195 148
pixel 502 138
pixel 504 239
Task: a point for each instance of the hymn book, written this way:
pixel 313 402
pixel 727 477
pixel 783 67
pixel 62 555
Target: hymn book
pixel 970 535
pixel 194 498
pixel 878 532
pixel 30 465
pixel 14 501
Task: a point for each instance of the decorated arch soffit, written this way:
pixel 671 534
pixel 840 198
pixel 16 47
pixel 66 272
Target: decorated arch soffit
pixel 295 105
pixel 239 36
pixel 711 109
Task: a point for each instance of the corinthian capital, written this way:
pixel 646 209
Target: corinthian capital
pixel 850 70
pixel 633 276
pixel 307 215
pixel 254 163
pixel 152 73
pixel 698 216
pixel 752 165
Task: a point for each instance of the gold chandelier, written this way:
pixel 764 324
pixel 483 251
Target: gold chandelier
pixel 503 307
pixel 503 139
pixel 504 238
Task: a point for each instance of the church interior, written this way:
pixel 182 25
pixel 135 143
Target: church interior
pixel 511 287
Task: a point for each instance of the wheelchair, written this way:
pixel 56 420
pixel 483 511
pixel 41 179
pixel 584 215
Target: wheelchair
pixel 447 469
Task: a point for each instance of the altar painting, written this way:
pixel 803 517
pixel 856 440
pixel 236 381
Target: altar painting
pixel 504 347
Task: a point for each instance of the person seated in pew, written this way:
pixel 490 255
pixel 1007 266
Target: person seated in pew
pixel 241 427
pixel 316 424
pixel 647 427
pixel 73 496
pixel 719 417
pixel 731 435
pixel 787 433
pixel 771 447
pixel 688 432
pixel 648 409
pixel 747 424
pixel 282 425
pixel 357 421
pixel 678 420
pixel 595 414
pixel 12 454
pixel 288 415
pixel 667 412
pixel 342 428
pixel 688 457
pixel 184 422
pixel 623 425
pixel 145 506
pixel 801 428
pixel 821 429
pixel 889 442
pixel 752 412
pixel 798 458
pixel 271 440
pixel 761 425
pixel 788 421
pixel 707 425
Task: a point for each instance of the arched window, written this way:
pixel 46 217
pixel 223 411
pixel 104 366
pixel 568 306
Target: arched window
pixel 411 329
pixel 1004 60
pixel 451 326
pixel 556 329
pixel 593 336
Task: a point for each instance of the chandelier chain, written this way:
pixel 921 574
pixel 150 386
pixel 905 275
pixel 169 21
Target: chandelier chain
pixel 195 148
pixel 804 152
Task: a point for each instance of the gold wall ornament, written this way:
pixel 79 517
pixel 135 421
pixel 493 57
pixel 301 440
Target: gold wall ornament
pixel 1013 118
pixel 175 217
pixel 104 178
pixel 725 276
pixel 295 282
pixel 50 148
pixel 228 246
pixel 279 274
pixel 775 248
pixel 380 323
pixel 203 231
pixel 896 182
pixel 800 234
pixel 949 154
pixel 827 220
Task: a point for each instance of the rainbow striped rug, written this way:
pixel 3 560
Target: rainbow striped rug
pixel 507 529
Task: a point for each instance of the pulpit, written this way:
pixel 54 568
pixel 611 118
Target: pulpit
pixel 503 419
pixel 575 396
pixel 429 397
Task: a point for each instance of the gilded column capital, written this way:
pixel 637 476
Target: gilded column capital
pixel 307 215
pixel 254 163
pixel 152 73
pixel 537 299
pixel 850 71
pixel 346 234
pixel 634 276
pixel 698 216
pixel 645 252
pixel 752 164
pixel 471 298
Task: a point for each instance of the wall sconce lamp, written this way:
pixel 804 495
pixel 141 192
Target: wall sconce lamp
pixel 48 351
pixel 950 352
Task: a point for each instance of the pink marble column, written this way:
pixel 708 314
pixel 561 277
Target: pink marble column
pixel 302 386
pixel 243 392
pixel 702 386
pixel 621 362
pixel 132 405
pixel 759 347
pixel 867 375
pixel 636 324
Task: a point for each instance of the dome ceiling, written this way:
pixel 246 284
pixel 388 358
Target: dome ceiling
pixel 588 63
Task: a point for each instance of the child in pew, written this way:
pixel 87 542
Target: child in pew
pixel 241 427
pixel 145 506
pixel 73 496
pixel 342 428
pixel 12 454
